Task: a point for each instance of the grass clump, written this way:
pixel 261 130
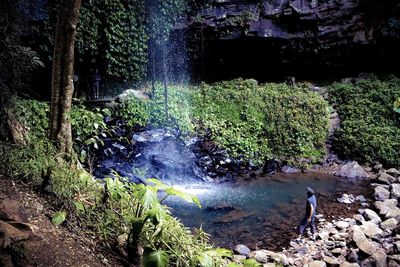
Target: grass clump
pixel 370 128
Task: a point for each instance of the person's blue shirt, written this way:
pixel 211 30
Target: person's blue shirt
pixel 312 200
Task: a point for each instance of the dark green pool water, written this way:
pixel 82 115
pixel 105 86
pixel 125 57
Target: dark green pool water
pixel 264 209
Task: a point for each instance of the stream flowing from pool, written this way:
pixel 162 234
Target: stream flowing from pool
pixel 262 212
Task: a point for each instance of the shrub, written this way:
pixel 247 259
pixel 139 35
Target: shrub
pixel 34 114
pixel 370 128
pixel 140 113
pixel 179 108
pixel 133 111
pixel 263 121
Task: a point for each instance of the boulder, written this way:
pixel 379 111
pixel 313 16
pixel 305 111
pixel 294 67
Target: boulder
pixel 242 250
pixel 393 213
pixel 370 229
pixel 330 261
pixel 389 224
pixel 289 169
pixel 358 236
pixel 380 193
pixel 385 206
pixel 342 225
pixel 315 264
pixel 346 199
pixel 361 198
pixel 380 258
pixel 358 218
pixel 259 255
pixel 279 258
pixel 352 170
pixel 12 210
pixel 395 191
pixel 393 172
pixel 371 216
pixel 11 234
pixel 386 178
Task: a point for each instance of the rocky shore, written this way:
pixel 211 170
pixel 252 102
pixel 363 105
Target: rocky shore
pixel 369 238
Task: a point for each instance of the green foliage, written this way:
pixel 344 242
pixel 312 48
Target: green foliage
pixel 157 258
pixel 245 263
pixel 141 113
pixel 179 108
pixel 370 128
pixel 33 114
pixel 88 125
pixel 258 121
pixel 114 34
pixel 396 105
pixel 58 217
pixel 30 162
pixel 133 111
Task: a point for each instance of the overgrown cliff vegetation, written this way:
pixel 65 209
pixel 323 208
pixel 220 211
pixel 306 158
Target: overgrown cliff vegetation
pixel 251 121
pixel 370 128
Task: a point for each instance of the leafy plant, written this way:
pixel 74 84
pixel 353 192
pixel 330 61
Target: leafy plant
pixel 370 129
pixel 396 105
pixel 157 258
pixel 263 121
pixel 58 217
pixel 34 114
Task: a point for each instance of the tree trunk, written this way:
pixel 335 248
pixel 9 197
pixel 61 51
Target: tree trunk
pixel 62 75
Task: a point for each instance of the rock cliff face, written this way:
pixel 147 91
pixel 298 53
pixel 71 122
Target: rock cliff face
pixel 270 39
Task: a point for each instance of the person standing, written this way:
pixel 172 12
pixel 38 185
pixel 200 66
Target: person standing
pixel 309 218
pixel 96 84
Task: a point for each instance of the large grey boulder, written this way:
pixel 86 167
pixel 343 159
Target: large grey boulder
pixel 394 172
pixel 386 178
pixel 380 193
pixel 259 255
pixel 352 170
pixel 371 216
pixel 393 213
pixel 370 229
pixel 385 206
pixel 365 245
pixel 380 258
pixel 389 224
pixel 242 249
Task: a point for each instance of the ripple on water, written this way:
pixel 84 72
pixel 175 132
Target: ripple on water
pixel 263 212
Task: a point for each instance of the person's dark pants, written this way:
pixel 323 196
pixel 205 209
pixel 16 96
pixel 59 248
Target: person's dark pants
pixel 304 223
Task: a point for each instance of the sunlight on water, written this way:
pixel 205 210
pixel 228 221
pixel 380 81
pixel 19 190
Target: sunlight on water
pixel 244 212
